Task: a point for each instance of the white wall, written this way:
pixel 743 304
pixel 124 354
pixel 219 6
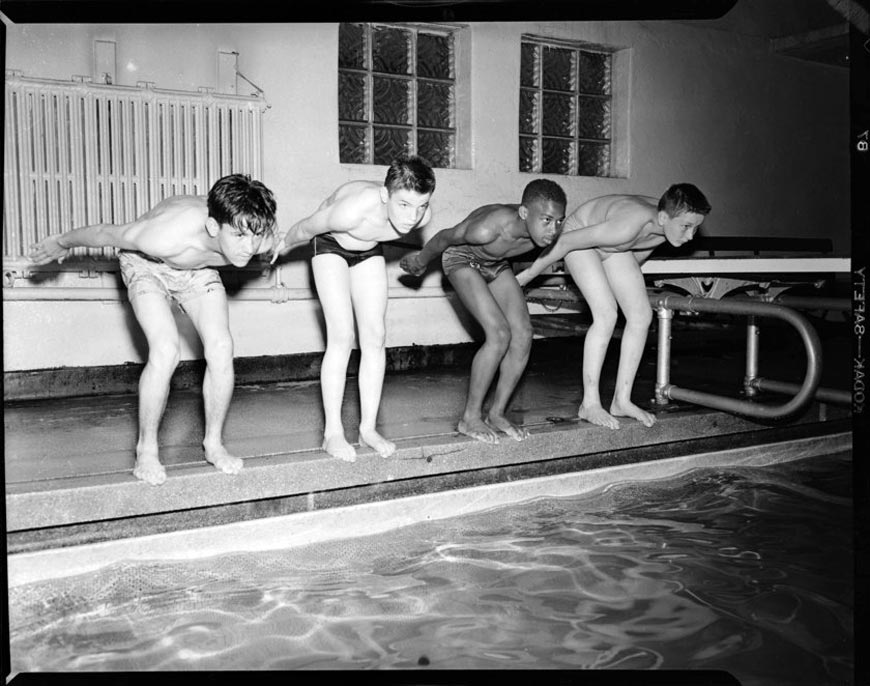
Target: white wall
pixel 760 134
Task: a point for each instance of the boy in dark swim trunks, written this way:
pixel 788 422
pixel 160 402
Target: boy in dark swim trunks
pixel 169 253
pixel 475 260
pixel 604 242
pixel 351 279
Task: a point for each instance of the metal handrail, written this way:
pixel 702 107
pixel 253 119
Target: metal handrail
pixel 798 302
pixel 665 304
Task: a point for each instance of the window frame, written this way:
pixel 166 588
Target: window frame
pixel 617 97
pixel 457 131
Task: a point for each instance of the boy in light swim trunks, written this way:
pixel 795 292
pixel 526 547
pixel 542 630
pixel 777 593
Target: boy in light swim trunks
pixel 604 242
pixel 169 253
pixel 474 259
pixel 346 233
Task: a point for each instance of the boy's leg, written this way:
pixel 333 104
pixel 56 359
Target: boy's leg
pixel 626 282
pixel 510 298
pixel 332 280
pixel 368 289
pixel 478 299
pixel 587 270
pixel 209 314
pixel 154 315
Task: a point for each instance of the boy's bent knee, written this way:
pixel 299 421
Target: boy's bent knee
pixel 499 336
pixel 340 338
pixel 219 349
pixel 373 339
pixel 641 318
pixel 605 318
pixel 165 353
pixel 522 337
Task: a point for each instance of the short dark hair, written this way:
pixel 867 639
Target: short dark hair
pixel 410 173
pixel 543 189
pixel 243 203
pixel 683 197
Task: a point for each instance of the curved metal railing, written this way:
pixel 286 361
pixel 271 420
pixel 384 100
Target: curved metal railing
pixel 665 304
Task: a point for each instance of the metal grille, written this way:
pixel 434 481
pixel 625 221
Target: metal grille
pixel 78 153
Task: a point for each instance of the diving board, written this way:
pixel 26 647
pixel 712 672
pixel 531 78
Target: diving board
pixel 709 277
pixel 747 265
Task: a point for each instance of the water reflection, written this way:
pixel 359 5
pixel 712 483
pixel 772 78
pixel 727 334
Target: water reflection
pixel 747 570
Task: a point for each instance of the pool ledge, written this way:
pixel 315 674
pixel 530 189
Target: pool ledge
pixel 307 471
pixel 375 517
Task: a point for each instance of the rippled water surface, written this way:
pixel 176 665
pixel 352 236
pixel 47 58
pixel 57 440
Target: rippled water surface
pixel 747 570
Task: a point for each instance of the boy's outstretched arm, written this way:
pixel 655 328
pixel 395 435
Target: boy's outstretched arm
pixel 606 234
pixel 415 263
pixel 301 233
pixel 544 260
pixel 340 216
pixel 58 246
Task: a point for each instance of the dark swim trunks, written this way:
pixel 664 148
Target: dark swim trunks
pixel 325 244
pixel 458 256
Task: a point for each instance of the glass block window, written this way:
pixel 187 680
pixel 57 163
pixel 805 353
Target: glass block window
pixel 396 93
pixel 565 109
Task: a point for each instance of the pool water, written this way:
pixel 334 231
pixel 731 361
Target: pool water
pixel 748 570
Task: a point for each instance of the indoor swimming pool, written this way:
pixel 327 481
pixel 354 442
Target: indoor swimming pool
pixel 745 568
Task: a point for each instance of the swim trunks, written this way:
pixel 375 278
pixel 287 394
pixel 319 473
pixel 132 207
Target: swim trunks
pixel 458 256
pixel 144 274
pixel 325 244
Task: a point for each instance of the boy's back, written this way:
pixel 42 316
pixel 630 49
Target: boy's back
pixel 628 218
pixel 600 209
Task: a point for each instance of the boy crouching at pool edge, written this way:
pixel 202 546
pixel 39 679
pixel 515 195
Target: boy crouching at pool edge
pixel 346 233
pixel 603 243
pixel 474 257
pixel 170 253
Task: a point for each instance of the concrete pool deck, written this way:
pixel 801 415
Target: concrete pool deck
pixel 68 462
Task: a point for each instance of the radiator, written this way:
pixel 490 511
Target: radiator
pixel 78 153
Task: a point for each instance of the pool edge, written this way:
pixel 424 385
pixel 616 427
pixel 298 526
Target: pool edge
pixel 302 528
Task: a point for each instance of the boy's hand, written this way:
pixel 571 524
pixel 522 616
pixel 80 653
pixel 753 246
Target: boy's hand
pixel 411 264
pixel 48 250
pixel 277 245
pixel 523 277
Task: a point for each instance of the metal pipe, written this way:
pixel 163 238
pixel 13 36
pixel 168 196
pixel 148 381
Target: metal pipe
pixel 663 362
pixel 799 302
pixel 828 395
pixel 744 307
pixel 273 294
pixel 810 303
pixel 752 337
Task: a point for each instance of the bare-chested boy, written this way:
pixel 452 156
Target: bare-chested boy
pixel 474 259
pixel 604 242
pixel 346 233
pixel 169 253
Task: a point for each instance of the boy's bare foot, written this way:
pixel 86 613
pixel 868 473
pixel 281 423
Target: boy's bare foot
pixel 478 430
pixel 378 443
pixel 338 447
pixel 221 459
pixel 629 409
pixel 596 414
pixel 502 423
pixel 148 468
